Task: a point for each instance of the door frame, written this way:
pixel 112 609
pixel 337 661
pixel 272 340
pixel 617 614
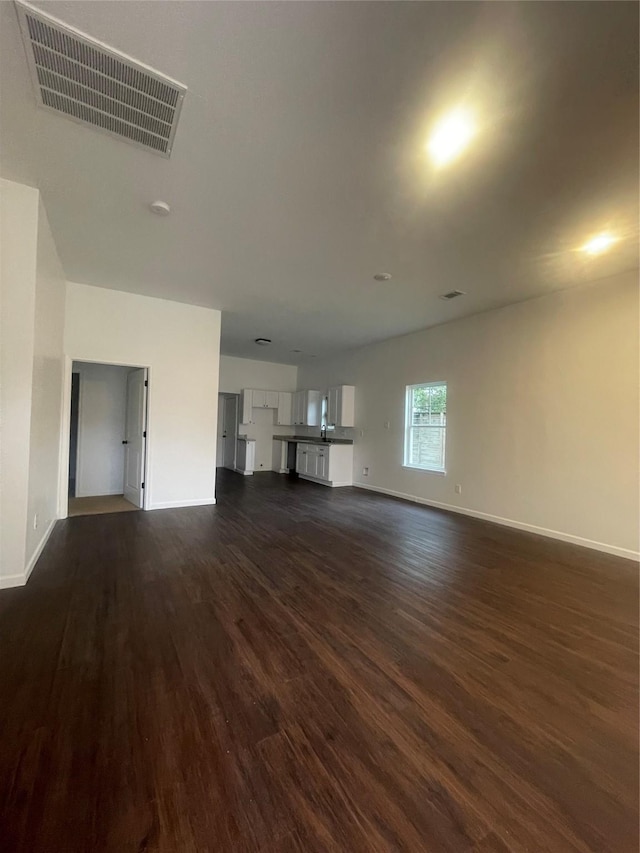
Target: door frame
pixel 65 431
pixel 77 429
pixel 236 399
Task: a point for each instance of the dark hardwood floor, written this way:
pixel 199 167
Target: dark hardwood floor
pixel 306 669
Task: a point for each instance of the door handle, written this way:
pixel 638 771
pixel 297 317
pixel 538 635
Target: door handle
pixel 125 441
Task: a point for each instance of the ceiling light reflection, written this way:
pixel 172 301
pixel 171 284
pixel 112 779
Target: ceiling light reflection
pixel 451 136
pixel 600 243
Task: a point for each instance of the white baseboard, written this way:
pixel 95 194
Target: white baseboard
pixel 39 549
pixel 178 504
pixel 10 581
pixel 312 480
pixel 509 522
pixel 93 495
pixel 20 580
pixel 331 483
pixel 245 473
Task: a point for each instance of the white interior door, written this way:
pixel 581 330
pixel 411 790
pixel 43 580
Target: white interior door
pixel 134 439
pixel 230 431
pixel 220 433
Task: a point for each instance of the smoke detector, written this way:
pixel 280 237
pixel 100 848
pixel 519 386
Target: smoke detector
pixel 160 208
pixel 87 81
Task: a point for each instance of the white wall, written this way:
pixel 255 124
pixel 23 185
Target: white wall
pixel 46 395
pixel 239 373
pixel 180 344
pixel 542 413
pixel 18 252
pixel 101 428
pixel 32 308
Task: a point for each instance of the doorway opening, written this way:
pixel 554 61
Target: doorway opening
pixel 107 438
pixel 227 452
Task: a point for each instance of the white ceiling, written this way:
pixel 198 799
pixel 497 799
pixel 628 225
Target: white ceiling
pixel 299 168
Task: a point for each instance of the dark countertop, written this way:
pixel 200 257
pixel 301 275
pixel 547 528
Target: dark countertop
pixel 311 439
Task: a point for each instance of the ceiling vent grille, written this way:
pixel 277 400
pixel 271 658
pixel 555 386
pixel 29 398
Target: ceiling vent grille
pixel 452 294
pixel 94 84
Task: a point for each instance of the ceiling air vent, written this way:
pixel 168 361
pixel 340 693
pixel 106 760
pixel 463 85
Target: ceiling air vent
pixel 91 83
pixel 452 294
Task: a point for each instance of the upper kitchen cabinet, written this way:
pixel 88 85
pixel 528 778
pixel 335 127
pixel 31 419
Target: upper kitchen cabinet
pixel 284 415
pixel 306 408
pixel 246 406
pixel 265 399
pixel 257 399
pixel 341 409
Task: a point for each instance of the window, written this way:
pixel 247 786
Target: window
pixel 426 426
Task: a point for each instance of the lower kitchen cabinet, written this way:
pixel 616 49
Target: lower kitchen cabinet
pixel 330 464
pixel 245 455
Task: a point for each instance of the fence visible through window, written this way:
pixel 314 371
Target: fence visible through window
pixel 425 439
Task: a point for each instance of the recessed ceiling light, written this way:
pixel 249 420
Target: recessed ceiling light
pixel 452 294
pixel 451 136
pixel 382 276
pixel 296 350
pixel 263 342
pixel 600 243
pixel 161 208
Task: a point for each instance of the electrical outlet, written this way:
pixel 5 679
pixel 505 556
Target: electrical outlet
pixel 387 424
pixel 458 489
pixel 365 472
pixel 35 521
pixel 361 433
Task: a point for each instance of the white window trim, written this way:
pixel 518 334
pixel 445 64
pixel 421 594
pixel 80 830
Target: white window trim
pixel 408 393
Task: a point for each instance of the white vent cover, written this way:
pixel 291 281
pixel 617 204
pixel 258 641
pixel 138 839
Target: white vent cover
pixel 91 83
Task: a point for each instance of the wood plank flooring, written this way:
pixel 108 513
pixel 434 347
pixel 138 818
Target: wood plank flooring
pixel 306 669
pixel 100 505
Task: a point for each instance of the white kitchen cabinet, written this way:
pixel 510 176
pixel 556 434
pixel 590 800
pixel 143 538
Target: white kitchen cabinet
pixel 312 461
pixel 322 463
pixel 298 406
pixel 306 408
pixel 259 399
pixel 327 464
pixel 284 415
pixel 246 455
pixel 306 457
pixel 341 406
pixel 246 406
pixel 264 399
pixel 301 459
